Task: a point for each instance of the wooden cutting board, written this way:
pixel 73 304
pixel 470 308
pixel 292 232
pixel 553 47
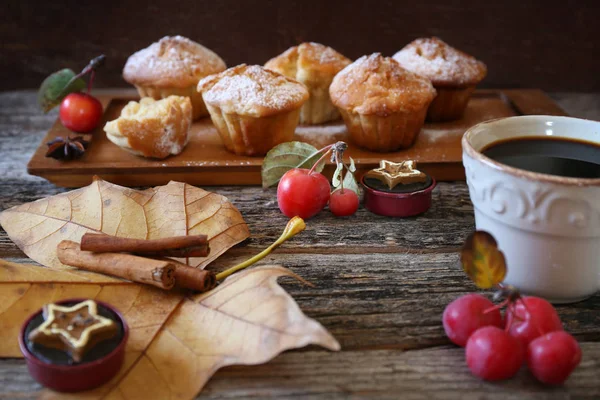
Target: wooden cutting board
pixel 205 161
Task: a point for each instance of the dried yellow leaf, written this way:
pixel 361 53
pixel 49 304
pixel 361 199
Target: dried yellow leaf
pixel 482 261
pixel 176 209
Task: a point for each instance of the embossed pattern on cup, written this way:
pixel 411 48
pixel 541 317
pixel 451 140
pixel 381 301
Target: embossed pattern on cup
pixel 547 226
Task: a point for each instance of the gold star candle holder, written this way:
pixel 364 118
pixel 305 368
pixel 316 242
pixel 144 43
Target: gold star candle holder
pixel 397 189
pixel 393 174
pixel 74 344
pixel 74 329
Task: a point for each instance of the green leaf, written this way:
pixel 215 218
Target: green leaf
pixel 482 261
pixel 56 87
pixel 286 156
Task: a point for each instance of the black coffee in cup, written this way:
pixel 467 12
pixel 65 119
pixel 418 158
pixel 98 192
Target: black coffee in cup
pixel 548 155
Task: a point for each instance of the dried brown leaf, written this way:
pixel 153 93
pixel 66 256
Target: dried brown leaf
pixel 26 273
pixel 250 310
pixel 176 344
pixel 176 209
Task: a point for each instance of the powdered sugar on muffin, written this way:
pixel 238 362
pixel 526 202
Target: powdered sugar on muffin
pixel 173 61
pixel 379 85
pixel 252 91
pixel 441 63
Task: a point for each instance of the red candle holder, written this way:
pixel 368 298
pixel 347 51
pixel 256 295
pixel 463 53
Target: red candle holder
pixel 77 377
pixel 392 204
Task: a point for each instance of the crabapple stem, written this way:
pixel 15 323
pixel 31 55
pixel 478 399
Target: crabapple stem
pixel 496 307
pixel 510 309
pixel 320 159
pixel 293 227
pixel 91 81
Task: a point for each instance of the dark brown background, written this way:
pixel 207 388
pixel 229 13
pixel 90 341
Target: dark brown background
pixel 545 44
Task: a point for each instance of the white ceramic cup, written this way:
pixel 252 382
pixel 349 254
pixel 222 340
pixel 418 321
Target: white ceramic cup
pixel 548 226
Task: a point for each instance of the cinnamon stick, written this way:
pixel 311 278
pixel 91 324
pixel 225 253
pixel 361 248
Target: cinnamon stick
pixel 158 273
pixel 187 277
pixel 177 246
pixel 137 269
pixel 193 278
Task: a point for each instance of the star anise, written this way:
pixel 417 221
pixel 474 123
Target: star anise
pixel 66 148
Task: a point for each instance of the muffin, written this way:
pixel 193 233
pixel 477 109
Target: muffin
pixel 173 66
pixel 314 65
pixel 454 75
pixel 254 109
pixel 152 128
pixel 383 105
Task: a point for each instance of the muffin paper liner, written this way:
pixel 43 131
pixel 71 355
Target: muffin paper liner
pixel 253 136
pixel 383 134
pixel 449 104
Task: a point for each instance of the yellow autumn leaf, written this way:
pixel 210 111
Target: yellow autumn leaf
pixel 176 343
pixel 176 209
pixel 247 320
pixel 482 261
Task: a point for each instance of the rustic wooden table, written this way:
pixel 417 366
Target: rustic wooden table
pixel 381 287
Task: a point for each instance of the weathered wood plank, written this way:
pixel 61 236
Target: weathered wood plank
pixel 580 105
pixel 392 300
pixel 424 374
pixel 325 232
pixel 532 102
pixel 395 300
pixel 438 373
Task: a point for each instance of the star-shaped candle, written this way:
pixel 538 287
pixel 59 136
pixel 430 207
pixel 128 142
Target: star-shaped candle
pixel 393 174
pixel 397 189
pixel 74 329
